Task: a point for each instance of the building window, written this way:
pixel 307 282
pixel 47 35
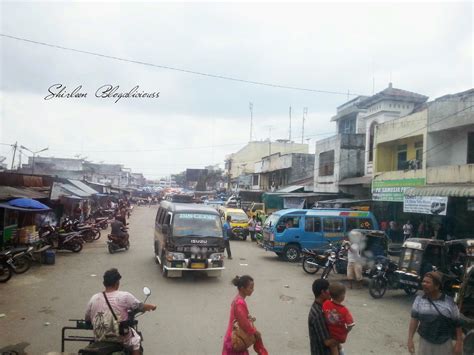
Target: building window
pixel 402 157
pixel 326 163
pixel 347 126
pixel 371 141
pixel 255 180
pixel 419 154
pixel 470 148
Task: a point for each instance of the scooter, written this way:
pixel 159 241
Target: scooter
pixel 102 347
pixel 88 232
pixel 115 243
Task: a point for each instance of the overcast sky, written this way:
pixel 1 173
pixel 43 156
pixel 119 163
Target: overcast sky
pixel 197 120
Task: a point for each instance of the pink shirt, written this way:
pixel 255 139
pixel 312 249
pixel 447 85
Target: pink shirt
pixel 98 312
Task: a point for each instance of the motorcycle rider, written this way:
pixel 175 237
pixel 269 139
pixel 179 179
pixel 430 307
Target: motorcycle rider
pixel 118 231
pixel 100 315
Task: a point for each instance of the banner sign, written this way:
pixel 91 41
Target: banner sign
pixel 392 190
pixel 426 204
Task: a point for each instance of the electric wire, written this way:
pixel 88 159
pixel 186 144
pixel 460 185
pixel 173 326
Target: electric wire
pixel 215 76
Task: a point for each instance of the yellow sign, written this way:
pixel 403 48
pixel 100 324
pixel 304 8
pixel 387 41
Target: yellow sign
pixel 198 266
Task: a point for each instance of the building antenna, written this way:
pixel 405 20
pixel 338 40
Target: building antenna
pixel 290 126
pixel 15 146
pixel 305 112
pixel 251 119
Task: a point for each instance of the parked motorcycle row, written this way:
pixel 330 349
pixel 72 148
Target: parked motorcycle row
pixel 71 236
pixel 403 272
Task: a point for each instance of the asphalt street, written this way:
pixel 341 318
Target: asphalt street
pixel 193 312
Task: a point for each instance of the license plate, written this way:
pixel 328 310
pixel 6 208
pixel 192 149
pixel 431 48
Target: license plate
pixel 198 266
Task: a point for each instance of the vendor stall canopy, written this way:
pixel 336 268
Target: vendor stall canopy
pixel 25 204
pixel 442 190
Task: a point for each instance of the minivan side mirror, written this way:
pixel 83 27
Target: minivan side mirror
pixel 280 228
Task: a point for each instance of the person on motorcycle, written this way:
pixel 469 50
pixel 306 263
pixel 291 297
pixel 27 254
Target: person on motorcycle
pixel 118 231
pixel 99 314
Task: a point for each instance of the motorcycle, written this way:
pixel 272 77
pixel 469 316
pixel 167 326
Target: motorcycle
pixel 115 243
pixel 61 241
pixel 337 261
pixel 89 233
pixel 313 262
pixel 103 347
pixel 20 258
pixel 240 233
pixel 383 277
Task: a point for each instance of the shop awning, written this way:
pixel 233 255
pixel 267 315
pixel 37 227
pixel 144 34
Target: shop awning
pixel 292 188
pixel 9 192
pixel 80 185
pixel 442 191
pixel 363 180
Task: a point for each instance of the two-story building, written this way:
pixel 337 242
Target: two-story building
pixel 447 200
pixel 279 170
pixel 339 160
pixel 423 166
pixel 240 166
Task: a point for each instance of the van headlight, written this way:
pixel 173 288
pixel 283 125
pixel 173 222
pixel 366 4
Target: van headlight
pixel 217 256
pixel 378 267
pixel 174 256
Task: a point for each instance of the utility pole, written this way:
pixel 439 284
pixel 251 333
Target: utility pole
pixel 251 119
pixel 290 125
pixel 15 146
pixel 305 112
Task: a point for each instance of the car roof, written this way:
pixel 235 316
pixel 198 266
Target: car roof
pixel 188 207
pixel 235 210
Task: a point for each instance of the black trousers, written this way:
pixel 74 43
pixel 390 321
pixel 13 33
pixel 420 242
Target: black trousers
pixel 227 247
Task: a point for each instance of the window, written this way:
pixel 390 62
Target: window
pixel 371 141
pixel 255 180
pixel 288 222
pixel 347 126
pixel 470 148
pixel 358 223
pixel 312 224
pixel 419 154
pixel 402 157
pixel 333 224
pixel 326 163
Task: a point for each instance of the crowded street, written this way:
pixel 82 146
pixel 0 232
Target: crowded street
pixel 192 312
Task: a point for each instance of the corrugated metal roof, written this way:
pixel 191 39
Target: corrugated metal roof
pixel 82 186
pixel 291 188
pixel 74 190
pixel 442 190
pixel 9 192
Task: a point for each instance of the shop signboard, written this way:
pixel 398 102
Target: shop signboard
pixel 393 190
pixel 435 205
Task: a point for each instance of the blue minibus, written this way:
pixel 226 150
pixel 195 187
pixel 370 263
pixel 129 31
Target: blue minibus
pixel 287 232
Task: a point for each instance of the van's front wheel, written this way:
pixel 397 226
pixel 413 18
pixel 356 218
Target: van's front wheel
pixel 292 253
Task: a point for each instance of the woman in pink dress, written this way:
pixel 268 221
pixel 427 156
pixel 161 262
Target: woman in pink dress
pixel 240 312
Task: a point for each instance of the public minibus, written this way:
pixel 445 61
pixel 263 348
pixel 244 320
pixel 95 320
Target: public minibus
pixel 188 237
pixel 238 223
pixel 287 232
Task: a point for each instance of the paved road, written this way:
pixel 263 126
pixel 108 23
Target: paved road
pixel 192 312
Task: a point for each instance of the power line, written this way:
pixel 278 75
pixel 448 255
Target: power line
pixel 215 76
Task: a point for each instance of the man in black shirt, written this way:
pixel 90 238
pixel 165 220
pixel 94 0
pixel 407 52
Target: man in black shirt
pixel 118 231
pixel 319 337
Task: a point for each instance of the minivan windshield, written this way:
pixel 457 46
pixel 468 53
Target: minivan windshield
pixel 197 225
pixel 272 220
pixel 238 216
